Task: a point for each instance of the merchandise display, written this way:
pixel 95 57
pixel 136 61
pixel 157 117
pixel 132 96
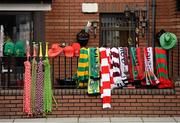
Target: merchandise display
pixel 100 70
pixel 38 94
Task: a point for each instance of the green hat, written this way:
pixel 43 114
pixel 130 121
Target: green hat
pixel 8 48
pixel 19 49
pixel 168 40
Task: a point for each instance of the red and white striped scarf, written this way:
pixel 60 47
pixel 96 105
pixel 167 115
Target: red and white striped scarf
pixel 115 67
pixel 105 78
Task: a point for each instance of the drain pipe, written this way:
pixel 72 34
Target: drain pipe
pixel 153 22
pixel 147 17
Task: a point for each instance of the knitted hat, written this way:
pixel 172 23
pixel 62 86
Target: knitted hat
pixel 83 38
pixel 168 40
pixel 55 50
pixel 69 51
pixel 77 48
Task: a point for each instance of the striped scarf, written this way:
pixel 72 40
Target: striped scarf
pixel 94 67
pixel 123 58
pixel 162 70
pixel 108 52
pixel 83 68
pixel 105 78
pixel 151 79
pixel 137 67
pixel 115 67
pixel 27 88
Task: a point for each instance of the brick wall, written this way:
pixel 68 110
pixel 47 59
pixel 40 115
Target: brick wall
pixel 76 103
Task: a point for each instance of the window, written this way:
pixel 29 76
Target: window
pixel 115 29
pixel 18 26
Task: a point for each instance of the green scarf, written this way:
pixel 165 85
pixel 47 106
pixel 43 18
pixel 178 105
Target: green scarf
pixel 94 69
pixel 83 68
pixel 47 93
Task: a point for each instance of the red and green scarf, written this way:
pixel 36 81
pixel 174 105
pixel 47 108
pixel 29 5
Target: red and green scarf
pixel 137 65
pixel 162 69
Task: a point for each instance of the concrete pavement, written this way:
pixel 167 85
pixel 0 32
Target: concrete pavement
pixel 97 120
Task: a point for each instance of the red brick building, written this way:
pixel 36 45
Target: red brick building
pixel 64 21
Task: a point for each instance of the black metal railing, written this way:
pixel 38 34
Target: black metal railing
pixel 63 70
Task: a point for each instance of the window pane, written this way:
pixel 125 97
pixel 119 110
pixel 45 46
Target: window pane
pixel 114 30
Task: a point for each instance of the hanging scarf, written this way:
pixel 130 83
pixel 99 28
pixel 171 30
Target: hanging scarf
pixel 33 83
pixel 162 70
pixel 39 85
pixel 108 52
pixel 123 58
pixel 34 77
pixel 27 83
pixel 93 83
pixel 137 67
pixel 47 97
pixel 115 66
pixel 27 88
pixel 105 78
pixel 83 68
pixel 151 79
